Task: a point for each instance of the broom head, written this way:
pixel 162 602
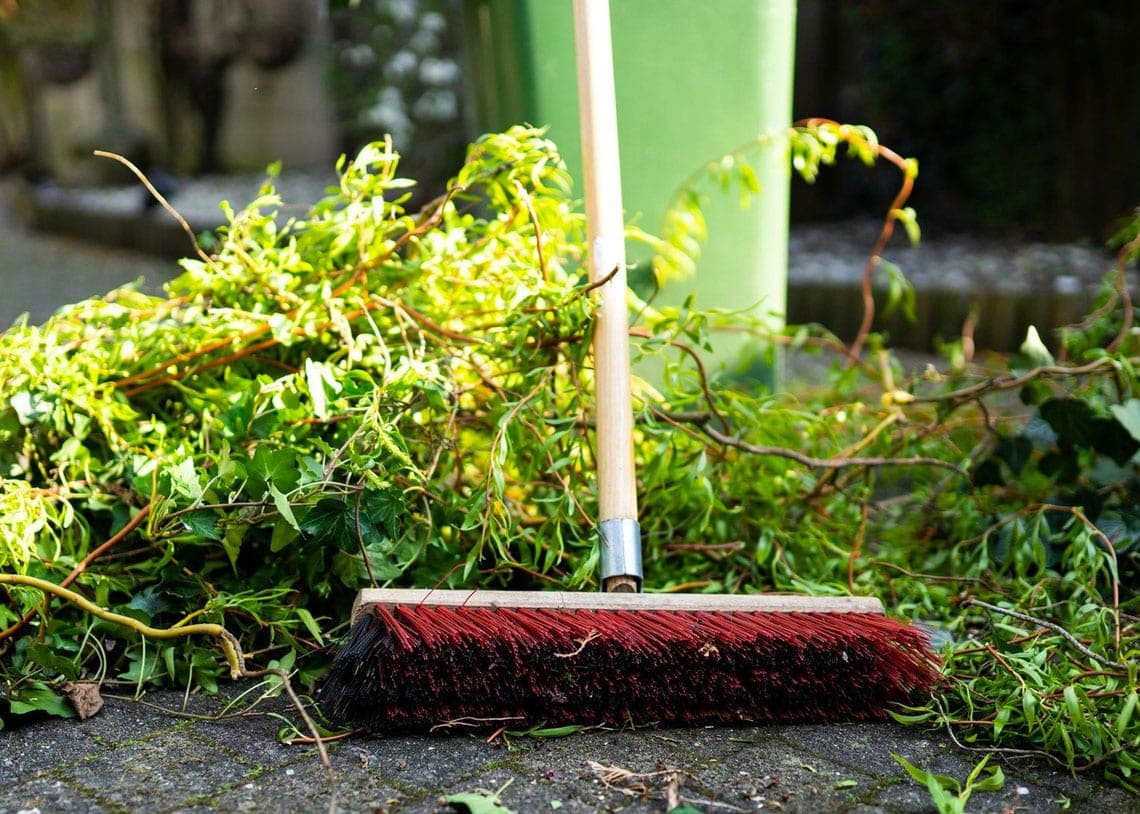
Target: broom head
pixel 420 660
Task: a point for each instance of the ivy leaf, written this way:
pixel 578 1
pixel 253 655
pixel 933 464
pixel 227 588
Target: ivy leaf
pixel 202 522
pixel 385 509
pixel 46 657
pixel 272 466
pixel 334 522
pixel 1128 414
pixel 149 602
pixel 184 479
pixel 1078 425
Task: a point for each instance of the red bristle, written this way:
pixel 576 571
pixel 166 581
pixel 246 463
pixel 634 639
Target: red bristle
pixel 418 666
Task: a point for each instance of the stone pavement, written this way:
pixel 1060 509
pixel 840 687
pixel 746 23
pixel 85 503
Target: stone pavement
pixel 149 757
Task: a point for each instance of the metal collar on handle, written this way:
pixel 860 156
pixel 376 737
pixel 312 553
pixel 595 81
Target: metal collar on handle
pixel 621 550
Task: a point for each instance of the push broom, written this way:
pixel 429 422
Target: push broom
pixel 425 659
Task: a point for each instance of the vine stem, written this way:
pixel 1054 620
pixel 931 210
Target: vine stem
pixel 824 463
pixel 102 549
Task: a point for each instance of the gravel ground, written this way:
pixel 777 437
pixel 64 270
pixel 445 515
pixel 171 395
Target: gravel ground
pixel 836 252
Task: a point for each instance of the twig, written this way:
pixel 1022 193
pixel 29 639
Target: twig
pixel 1104 364
pixel 310 724
pixel 537 227
pixel 585 640
pixel 826 463
pixel 1033 620
pixel 702 374
pixel 885 233
pixel 473 722
pixel 158 197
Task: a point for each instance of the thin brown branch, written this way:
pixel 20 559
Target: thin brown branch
pixel 826 463
pixel 1010 382
pixel 1066 635
pixel 702 374
pixel 885 233
pixel 159 197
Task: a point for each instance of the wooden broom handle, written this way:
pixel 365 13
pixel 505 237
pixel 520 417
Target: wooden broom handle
pixel 605 219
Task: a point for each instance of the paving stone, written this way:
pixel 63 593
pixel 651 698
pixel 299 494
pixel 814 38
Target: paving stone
pixel 420 763
pixel 44 795
pixel 567 762
pixel 168 771
pixel 28 750
pixel 124 720
pixel 305 787
pixel 770 773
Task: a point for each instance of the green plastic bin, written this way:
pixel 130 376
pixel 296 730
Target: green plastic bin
pixel 694 80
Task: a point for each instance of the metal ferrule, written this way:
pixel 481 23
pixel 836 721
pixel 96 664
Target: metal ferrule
pixel 621 548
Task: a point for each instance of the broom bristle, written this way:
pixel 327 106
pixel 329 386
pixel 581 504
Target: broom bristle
pixel 421 667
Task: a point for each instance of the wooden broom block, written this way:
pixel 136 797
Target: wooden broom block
pixel 559 600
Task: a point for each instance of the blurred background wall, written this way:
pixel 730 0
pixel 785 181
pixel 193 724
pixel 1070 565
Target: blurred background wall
pixel 1022 113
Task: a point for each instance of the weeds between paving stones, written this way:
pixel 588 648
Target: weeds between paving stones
pixel 367 395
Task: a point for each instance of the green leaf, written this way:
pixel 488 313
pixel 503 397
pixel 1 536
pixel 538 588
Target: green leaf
pixel 310 625
pixel 477 802
pixel 993 781
pixel 49 659
pixel 320 382
pixel 334 522
pixel 924 777
pixel 1126 713
pixel 150 601
pixel 281 502
pixel 1029 704
pixel 202 522
pixel 1000 720
pixel 1078 425
pixel 184 479
pixel 1128 414
pixel 385 509
pixel 272 466
pixel 36 696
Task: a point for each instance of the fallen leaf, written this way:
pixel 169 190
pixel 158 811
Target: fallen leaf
pixel 85 697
